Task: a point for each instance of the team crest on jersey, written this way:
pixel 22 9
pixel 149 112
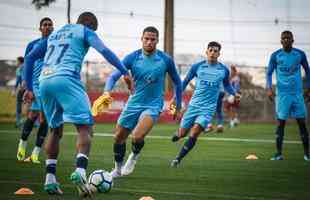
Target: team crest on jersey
pixel 47 71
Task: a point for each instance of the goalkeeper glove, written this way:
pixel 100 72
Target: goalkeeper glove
pixel 102 103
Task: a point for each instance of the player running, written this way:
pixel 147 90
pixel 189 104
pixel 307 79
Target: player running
pixel 210 74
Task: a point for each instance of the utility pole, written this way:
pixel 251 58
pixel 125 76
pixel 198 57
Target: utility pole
pixel 168 35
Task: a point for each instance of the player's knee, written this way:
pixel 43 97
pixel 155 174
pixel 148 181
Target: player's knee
pixel 32 116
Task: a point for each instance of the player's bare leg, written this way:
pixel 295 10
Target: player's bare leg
pixel 119 149
pixel 143 127
pixel 181 133
pixel 195 131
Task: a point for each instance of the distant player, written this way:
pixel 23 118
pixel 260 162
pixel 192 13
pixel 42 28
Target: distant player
pixel 210 74
pixel 148 67
pixel 19 90
pixel 63 94
pixel 287 62
pixel 36 109
pixel 232 107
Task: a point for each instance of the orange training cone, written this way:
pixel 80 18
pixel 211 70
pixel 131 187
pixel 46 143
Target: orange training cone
pixel 24 191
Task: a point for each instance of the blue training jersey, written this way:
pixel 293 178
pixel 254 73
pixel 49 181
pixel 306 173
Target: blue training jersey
pixel 149 72
pixel 209 78
pixel 288 71
pixel 64 52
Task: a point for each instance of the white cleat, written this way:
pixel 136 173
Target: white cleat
pixel 116 173
pixel 129 165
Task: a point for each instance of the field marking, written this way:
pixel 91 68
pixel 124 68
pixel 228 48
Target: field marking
pixel 169 137
pixel 147 192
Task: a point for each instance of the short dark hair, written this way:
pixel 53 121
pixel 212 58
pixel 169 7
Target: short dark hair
pixel 45 19
pixel 20 59
pixel 89 20
pixel 287 32
pixel 151 29
pixel 214 44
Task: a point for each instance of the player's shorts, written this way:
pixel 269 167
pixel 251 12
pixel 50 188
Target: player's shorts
pixel 36 103
pixel 194 115
pixel 289 105
pixel 65 100
pixel 131 115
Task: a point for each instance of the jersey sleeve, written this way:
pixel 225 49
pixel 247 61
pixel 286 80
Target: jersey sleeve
pixel 190 75
pixel 172 71
pixel 227 84
pixel 305 65
pixel 111 80
pixel 271 67
pixel 37 52
pixel 94 41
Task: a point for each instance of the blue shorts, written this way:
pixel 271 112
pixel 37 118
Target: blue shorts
pixel 132 114
pixel 288 105
pixel 65 100
pixel 194 115
pixel 36 103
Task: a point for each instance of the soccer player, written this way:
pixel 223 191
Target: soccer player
pixel 148 67
pixel 63 94
pixel 36 109
pixel 287 62
pixel 210 74
pixel 19 90
pixel 232 107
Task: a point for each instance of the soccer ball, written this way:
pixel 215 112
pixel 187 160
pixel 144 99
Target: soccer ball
pixel 100 181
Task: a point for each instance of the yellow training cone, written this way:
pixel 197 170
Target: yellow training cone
pixel 251 157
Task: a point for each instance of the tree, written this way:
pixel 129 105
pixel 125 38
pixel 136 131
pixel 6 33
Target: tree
pixel 45 3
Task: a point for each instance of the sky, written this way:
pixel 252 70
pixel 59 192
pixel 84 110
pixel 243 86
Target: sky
pixel 249 30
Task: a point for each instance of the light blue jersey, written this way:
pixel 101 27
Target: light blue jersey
pixel 289 99
pixel 209 78
pixel 288 71
pixel 63 94
pixel 149 73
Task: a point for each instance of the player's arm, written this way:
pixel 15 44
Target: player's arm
pixel 37 52
pixel 189 76
pixel 271 67
pixel 306 67
pixel 172 71
pixel 94 41
pixel 227 86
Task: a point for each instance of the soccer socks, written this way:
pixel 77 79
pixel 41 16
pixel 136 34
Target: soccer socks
pixel 188 145
pixel 119 153
pixel 42 132
pixel 280 136
pixel 304 135
pixel 136 148
pixel 81 164
pixel 27 128
pixel 50 171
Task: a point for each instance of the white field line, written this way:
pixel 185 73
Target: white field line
pixel 169 137
pixel 148 192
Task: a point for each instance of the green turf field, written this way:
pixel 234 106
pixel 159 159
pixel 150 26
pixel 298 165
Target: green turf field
pixel 215 169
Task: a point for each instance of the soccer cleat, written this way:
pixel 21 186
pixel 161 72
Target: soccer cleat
pixel 116 173
pixel 33 158
pixel 81 184
pixel 175 163
pixel 129 165
pixel 21 153
pixel 277 156
pixel 53 189
pixel 219 129
pixel 306 157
